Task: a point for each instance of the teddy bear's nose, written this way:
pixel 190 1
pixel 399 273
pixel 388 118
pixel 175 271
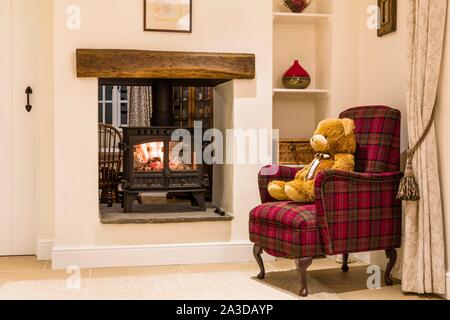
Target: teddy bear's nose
pixel 318 139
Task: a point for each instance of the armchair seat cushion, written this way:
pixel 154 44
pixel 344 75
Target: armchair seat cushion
pixel 286 214
pixel 286 229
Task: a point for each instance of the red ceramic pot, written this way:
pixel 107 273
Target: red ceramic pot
pixel 296 77
pixel 297 6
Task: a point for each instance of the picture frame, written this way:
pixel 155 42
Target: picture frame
pixel 388 17
pixel 168 16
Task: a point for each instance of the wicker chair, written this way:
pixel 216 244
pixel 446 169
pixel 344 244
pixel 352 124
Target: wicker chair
pixel 110 159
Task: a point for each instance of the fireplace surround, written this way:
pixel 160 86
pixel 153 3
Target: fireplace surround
pixel 147 163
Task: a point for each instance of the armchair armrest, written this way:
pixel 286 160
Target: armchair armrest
pixel 356 176
pixel 358 212
pixel 273 173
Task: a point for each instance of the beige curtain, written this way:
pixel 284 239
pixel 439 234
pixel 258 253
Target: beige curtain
pixel 423 268
pixel 139 106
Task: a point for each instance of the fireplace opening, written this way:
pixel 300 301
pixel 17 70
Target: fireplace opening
pixel 138 172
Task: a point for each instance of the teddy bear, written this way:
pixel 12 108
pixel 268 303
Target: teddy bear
pixel 335 143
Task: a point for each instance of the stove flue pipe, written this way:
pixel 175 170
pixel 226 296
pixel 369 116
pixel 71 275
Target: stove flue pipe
pixel 162 93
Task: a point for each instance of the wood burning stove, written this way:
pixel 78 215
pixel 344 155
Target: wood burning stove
pixel 149 166
pixel 149 163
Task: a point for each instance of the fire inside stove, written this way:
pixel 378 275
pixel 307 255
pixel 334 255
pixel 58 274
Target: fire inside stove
pixel 149 157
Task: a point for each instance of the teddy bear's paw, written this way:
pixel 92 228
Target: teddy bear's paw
pixel 293 194
pixel 276 190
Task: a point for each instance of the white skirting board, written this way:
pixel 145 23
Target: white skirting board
pixel 149 255
pixel 44 250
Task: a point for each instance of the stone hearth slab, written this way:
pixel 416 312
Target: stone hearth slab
pixel 158 214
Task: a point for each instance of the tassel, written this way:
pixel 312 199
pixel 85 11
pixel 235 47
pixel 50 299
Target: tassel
pixel 409 190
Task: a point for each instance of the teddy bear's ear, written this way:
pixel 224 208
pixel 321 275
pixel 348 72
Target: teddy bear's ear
pixel 349 126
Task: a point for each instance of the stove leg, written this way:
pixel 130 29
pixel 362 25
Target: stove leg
pixel 122 199
pixel 198 200
pixel 128 202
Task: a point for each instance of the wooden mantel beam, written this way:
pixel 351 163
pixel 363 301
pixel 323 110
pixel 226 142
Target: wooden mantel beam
pixel 140 64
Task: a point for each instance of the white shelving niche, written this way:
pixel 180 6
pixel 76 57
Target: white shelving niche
pixel 306 37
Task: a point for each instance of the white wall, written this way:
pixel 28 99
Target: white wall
pixel 45 124
pixel 382 64
pixel 345 58
pixel 367 69
pixel 5 128
pixel 223 120
pixel 221 26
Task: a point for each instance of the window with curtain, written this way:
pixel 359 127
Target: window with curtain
pixel 113 105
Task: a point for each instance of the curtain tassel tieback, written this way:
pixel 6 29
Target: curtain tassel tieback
pixel 409 190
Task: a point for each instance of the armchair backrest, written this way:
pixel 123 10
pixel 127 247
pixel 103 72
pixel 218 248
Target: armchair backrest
pixel 377 137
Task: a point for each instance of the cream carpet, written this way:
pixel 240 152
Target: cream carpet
pixel 200 286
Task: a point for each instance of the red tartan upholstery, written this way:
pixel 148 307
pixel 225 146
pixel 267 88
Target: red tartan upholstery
pixel 272 173
pixel 377 130
pixel 285 229
pixel 353 212
pixel 358 212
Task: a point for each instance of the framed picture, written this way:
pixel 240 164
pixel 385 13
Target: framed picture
pixel 388 17
pixel 168 15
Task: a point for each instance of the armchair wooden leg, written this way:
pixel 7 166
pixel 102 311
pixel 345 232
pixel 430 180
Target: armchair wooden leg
pixel 302 265
pixel 391 254
pixel 345 267
pixel 257 251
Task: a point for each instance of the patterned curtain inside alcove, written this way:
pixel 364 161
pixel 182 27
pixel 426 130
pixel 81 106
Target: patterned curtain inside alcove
pixel 139 106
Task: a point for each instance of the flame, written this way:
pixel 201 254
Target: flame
pixel 148 151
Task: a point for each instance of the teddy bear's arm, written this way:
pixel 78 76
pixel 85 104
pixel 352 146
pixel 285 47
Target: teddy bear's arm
pixel 344 162
pixel 302 173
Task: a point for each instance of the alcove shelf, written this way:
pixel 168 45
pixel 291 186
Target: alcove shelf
pixel 306 37
pixel 301 18
pixel 301 91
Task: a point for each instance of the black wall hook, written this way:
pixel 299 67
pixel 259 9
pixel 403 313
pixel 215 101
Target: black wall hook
pixel 28 91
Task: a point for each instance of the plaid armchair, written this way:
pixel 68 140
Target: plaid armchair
pixel 353 211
